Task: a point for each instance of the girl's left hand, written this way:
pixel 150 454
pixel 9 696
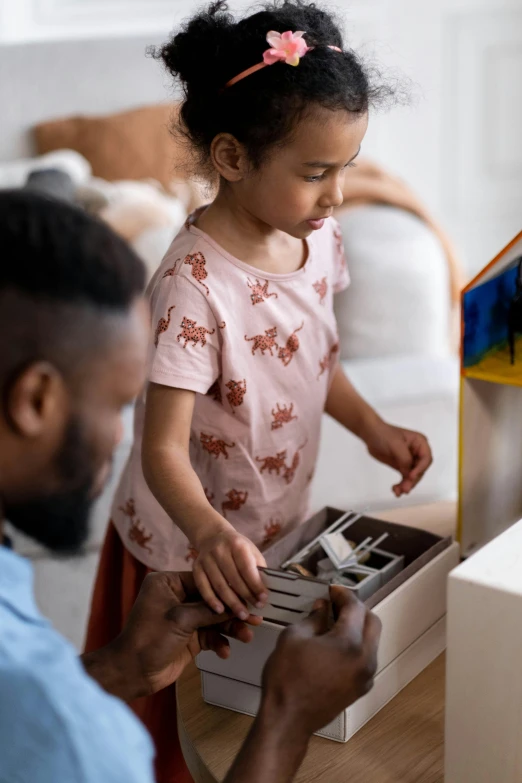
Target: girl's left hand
pixel 407 451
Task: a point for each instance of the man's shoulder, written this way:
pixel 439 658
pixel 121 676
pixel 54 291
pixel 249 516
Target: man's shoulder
pixel 54 715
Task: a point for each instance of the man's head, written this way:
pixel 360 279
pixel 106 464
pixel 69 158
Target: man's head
pixel 73 339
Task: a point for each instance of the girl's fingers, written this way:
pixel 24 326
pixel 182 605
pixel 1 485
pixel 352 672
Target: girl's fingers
pixel 421 451
pixel 235 579
pixel 402 457
pixel 227 595
pixel 418 479
pixel 247 566
pixel 421 467
pixel 404 487
pixel 205 589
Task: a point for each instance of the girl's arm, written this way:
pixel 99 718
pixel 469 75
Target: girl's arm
pixel 226 566
pixel 406 451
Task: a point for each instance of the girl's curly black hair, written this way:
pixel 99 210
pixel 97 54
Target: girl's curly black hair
pixel 262 109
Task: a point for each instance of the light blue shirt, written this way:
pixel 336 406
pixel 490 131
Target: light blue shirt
pixel 56 724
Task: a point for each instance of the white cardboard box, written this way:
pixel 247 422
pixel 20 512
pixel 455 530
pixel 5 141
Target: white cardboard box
pixel 412 607
pixel 484 665
pixel 244 697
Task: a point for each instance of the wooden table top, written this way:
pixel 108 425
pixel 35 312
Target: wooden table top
pixel 403 743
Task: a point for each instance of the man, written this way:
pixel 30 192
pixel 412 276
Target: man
pixel 73 338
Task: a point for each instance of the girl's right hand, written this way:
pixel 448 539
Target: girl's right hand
pixel 225 570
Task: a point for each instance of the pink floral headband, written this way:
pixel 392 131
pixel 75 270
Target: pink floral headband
pixel 284 47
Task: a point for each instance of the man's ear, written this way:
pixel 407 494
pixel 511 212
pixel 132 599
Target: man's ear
pixel 229 157
pixel 35 399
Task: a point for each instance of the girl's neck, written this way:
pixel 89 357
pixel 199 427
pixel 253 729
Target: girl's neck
pixel 247 238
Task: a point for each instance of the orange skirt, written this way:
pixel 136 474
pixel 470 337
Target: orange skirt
pixel 116 588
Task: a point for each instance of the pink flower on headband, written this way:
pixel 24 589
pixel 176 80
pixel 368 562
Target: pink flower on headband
pixel 287 47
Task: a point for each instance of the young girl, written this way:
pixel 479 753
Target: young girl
pixel 244 350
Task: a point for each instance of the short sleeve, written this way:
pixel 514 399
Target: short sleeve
pixel 186 350
pixel 341 279
pixel 58 726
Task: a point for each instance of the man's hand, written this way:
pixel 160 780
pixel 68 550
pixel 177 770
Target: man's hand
pixel 167 627
pixel 313 675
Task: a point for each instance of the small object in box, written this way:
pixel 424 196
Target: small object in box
pixel 297 568
pixel 324 567
pixel 360 566
pixel 351 556
pixel 344 581
pixel 358 576
pixel 337 547
pixel 363 550
pixel 363 557
pixel 326 564
pixel 340 524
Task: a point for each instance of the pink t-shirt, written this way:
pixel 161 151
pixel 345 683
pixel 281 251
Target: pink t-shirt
pixel 259 350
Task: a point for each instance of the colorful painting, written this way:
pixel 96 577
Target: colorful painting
pixel 486 309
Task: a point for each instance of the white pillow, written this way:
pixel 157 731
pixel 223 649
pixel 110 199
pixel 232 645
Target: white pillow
pixel 399 298
pixel 14 173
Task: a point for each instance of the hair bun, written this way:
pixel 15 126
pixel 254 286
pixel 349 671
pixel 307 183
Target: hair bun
pixel 197 53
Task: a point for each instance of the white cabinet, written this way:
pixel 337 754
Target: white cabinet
pixel 483 680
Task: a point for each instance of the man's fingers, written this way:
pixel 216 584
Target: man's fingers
pixel 350 614
pixel 214 638
pixel 371 637
pixel 198 616
pixel 189 586
pixel 211 639
pixel 372 630
pixel 315 624
pixel 358 627
pixel 237 630
pixel 189 617
pixel 163 583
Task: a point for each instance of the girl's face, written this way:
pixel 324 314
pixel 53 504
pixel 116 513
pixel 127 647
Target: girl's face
pixel 300 184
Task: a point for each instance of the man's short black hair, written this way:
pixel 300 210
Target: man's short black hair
pixel 55 251
pixel 62 273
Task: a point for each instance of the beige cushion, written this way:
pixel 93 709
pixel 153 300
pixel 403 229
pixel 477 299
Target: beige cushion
pixel 134 144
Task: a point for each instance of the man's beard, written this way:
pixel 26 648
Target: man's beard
pixel 60 521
